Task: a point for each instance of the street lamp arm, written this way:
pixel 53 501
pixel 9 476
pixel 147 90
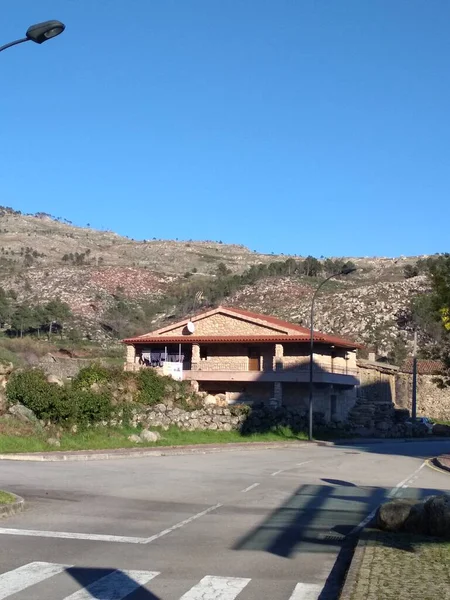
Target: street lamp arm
pixel 21 41
pixel 314 299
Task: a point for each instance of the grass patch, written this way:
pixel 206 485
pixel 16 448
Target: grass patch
pixel 404 565
pixel 98 438
pixel 6 498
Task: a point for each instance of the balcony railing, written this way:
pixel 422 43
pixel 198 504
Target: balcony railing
pixel 243 366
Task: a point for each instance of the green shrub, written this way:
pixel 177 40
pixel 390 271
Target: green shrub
pixel 94 373
pixel 60 405
pixel 151 386
pixel 31 388
pixel 89 407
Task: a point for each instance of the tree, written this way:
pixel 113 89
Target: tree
pixel 22 319
pixel 311 267
pixel 5 307
pixel 56 313
pixel 410 271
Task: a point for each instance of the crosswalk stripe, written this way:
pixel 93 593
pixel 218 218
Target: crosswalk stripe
pixel 26 576
pixel 216 588
pixel 306 591
pixel 115 586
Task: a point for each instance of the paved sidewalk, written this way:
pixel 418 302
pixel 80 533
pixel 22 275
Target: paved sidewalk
pixel 393 566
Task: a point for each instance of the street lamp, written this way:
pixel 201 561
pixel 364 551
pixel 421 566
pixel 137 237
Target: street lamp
pixel 343 271
pixel 39 33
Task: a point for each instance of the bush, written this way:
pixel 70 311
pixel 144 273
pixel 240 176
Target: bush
pixel 94 373
pixel 89 407
pixel 31 388
pixel 59 405
pixel 151 386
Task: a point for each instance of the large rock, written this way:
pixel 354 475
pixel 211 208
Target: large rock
pixel 24 414
pixel 54 442
pixel 441 430
pixel 150 436
pixel 55 380
pixel 428 517
pixel 437 510
pixel 6 368
pixel 210 400
pixel 135 439
pixel 394 515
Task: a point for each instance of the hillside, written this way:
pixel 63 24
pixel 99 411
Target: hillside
pixel 42 258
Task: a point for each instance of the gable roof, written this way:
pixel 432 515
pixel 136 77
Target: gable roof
pixel 283 331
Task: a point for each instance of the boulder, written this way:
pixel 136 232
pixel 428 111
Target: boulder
pixel 441 430
pixel 135 439
pixel 24 414
pixel 393 515
pixel 6 368
pixel 150 436
pixel 160 408
pixel 210 400
pixel 427 517
pixel 54 442
pixel 55 380
pixel 437 509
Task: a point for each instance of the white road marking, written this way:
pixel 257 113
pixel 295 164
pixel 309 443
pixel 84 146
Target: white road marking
pixel 181 524
pixel 306 591
pixel 115 586
pixel 250 487
pixel 290 468
pixel 73 536
pixel 96 537
pixel 216 588
pixel 24 577
pixel 394 491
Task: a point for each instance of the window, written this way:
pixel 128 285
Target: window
pixel 203 353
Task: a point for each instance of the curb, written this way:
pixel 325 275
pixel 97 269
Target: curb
pixel 353 571
pixel 440 464
pixel 79 455
pixel 8 510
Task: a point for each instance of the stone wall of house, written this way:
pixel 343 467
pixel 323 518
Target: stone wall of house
pixel 219 324
pixel 432 401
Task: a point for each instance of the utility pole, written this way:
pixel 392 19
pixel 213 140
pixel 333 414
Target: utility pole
pixel 414 381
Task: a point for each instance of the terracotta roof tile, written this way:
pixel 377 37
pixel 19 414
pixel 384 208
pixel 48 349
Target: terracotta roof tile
pixel 424 366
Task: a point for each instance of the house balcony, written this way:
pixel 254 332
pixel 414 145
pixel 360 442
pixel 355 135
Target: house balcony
pixel 239 371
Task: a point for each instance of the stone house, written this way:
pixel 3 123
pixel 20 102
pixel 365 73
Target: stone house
pixel 249 357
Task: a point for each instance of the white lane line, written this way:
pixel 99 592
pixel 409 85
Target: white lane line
pixel 306 591
pixel 397 488
pixel 73 536
pixel 216 588
pixel 115 586
pixel 290 468
pixel 181 524
pixel 105 538
pixel 20 579
pixel 250 487
pixel 394 491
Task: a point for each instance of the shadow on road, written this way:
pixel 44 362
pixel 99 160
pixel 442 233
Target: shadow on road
pixel 106 584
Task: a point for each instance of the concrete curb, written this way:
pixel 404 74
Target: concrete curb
pixel 353 571
pixel 442 463
pixel 8 510
pixel 79 455
pixel 111 454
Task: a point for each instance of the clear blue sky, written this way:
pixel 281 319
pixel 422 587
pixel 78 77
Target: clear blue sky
pixel 299 126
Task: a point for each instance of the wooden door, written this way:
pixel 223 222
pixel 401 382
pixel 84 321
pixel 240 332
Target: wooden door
pixel 254 359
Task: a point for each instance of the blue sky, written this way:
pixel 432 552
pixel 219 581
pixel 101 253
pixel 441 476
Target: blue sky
pixel 298 126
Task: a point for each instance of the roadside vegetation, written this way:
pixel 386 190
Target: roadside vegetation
pixel 6 498
pixel 99 438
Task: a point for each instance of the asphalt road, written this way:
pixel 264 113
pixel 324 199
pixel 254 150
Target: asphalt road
pixel 249 524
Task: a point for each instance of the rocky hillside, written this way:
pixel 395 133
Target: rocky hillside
pixel 42 258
